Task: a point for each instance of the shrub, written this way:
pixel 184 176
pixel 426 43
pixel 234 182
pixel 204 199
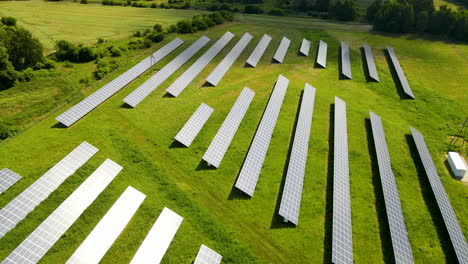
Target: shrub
pixel 214 7
pixel 137 34
pixel 158 28
pixel 172 29
pixel 252 9
pixel 155 37
pixel 8 74
pixel 217 17
pixel 228 16
pixel 83 1
pixel 100 40
pixel 103 68
pixel 7 130
pixel 199 24
pixel 115 51
pixel 26 75
pixel 8 21
pixel 277 12
pixel 184 26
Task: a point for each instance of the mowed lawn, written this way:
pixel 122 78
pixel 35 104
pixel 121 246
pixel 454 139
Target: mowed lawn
pixel 52 21
pixel 248 230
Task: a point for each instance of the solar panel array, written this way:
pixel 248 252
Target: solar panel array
pixel 345 61
pixel 140 93
pixel 257 53
pixel 7 179
pixel 187 77
pixel 218 147
pixel 342 235
pixel 207 256
pixel 400 242
pixel 282 49
pixel 85 106
pixel 450 219
pixel 305 47
pixel 196 122
pixel 96 244
pixel 36 245
pixel 23 204
pixel 250 171
pixel 370 63
pixel 399 71
pixel 292 193
pixel 322 54
pixel 223 67
pixel 159 238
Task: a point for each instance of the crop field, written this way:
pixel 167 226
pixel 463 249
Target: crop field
pixel 248 230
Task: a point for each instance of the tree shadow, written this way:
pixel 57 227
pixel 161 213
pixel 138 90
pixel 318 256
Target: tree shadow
pixel 277 220
pixel 327 241
pixel 395 78
pixel 385 236
pixel 59 125
pixel 203 166
pixel 177 144
pixel 431 204
pixel 365 66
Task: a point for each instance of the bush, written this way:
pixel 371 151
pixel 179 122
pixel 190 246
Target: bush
pixel 115 51
pixel 214 7
pixel 100 40
pixel 252 9
pixel 228 16
pixel 277 12
pixel 158 28
pixel 83 1
pixel 199 24
pixel 155 37
pixel 344 10
pixel 184 26
pixel 103 68
pixel 8 21
pixel 172 29
pixel 217 17
pixel 8 74
pixel 70 52
pixel 7 130
pixel 26 75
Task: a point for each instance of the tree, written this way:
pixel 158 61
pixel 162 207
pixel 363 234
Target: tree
pixel 158 28
pixel 423 5
pixel 442 21
pixel 302 5
pixel 344 10
pixel 228 16
pixel 199 24
pixel 217 17
pixel 252 9
pixel 8 74
pixel 394 17
pixel 422 20
pixel 372 10
pixel 184 26
pixel 321 5
pixel 277 12
pixel 23 49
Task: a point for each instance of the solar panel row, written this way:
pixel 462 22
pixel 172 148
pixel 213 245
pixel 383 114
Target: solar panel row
pixel 342 236
pixel 218 147
pixel 322 54
pixel 196 122
pixel 370 63
pixel 85 106
pixel 223 67
pixel 23 204
pixel 257 53
pixel 38 243
pixel 250 171
pixel 207 256
pixel 292 193
pixel 450 219
pixel 400 242
pixel 140 93
pixel 187 77
pixel 345 61
pixel 399 71
pixel 282 49
pixel 159 238
pixel 7 179
pixel 98 242
pixel 305 47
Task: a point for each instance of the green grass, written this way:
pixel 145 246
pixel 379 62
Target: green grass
pixel 247 230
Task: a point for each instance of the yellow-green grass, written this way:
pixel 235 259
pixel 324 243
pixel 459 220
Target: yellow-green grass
pixel 248 230
pixel 52 21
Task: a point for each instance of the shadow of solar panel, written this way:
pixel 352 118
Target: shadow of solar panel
pixel 85 106
pixel 23 204
pixel 399 71
pixel 7 179
pixel 223 67
pixel 250 171
pixel 342 235
pixel 218 147
pixel 193 126
pixel 400 242
pixel 207 256
pixel 345 61
pixel 450 219
pixel 282 50
pixel 159 238
pixel 305 47
pixel 140 93
pixel 36 245
pixel 292 193
pixel 370 63
pixel 187 77
pixel 257 53
pixel 322 54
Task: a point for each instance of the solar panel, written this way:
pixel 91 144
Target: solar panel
pixel 23 204
pixel 257 53
pixel 187 77
pixel 305 47
pixel 36 245
pixel 7 179
pixel 450 219
pixel 85 106
pixel 96 244
pixel 345 61
pixel 159 238
pixel 140 93
pixel 207 256
pixel 250 171
pixel 342 235
pixel 400 242
pixel 370 63
pixel 399 71
pixel 322 54
pixel 292 192
pixel 218 147
pixel 282 49
pixel 223 67
pixel 196 122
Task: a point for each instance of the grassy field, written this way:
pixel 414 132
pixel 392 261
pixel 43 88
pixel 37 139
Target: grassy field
pixel 248 230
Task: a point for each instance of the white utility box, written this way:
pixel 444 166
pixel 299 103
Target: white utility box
pixel 457 164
